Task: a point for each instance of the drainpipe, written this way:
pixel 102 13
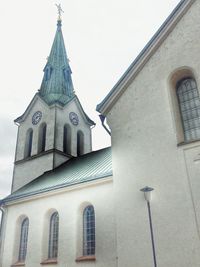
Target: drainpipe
pixel 1 229
pixel 102 118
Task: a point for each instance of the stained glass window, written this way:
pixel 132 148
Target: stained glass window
pixel 189 104
pixel 23 240
pixel 89 231
pixel 53 236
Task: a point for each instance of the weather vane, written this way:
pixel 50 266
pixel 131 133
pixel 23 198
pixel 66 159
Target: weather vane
pixel 60 11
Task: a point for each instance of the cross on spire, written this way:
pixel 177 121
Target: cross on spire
pixel 60 11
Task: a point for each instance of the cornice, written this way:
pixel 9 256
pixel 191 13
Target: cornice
pixel 167 27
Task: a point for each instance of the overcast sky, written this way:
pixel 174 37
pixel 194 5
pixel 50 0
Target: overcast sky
pixel 102 38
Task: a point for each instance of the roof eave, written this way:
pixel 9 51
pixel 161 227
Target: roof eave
pixel 38 193
pixel 157 39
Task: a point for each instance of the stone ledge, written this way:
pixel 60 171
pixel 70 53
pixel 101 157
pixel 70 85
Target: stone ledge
pixel 19 263
pixel 49 261
pixel 86 258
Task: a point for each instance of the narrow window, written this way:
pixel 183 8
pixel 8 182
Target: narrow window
pixel 80 143
pixel 189 105
pixel 42 137
pixel 23 240
pixel 47 73
pixel 67 139
pixel 89 231
pixel 53 236
pixel 28 144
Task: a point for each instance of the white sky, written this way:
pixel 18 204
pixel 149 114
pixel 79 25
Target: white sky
pixel 102 38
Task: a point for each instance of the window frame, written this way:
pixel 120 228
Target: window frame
pixel 189 107
pixel 23 240
pixel 89 229
pixel 53 236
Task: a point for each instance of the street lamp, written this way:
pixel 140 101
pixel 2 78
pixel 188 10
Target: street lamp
pixel 147 193
pixel 147 196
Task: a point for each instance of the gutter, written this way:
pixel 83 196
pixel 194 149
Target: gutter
pixel 102 118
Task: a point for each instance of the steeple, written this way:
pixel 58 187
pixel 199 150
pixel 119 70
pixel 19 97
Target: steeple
pixel 57 86
pixel 48 134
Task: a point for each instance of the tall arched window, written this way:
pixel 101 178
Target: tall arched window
pixel 42 137
pixel 80 143
pixel 189 105
pixel 23 240
pixel 28 144
pixel 53 236
pixel 67 139
pixel 89 231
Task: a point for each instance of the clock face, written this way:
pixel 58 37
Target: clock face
pixel 73 118
pixel 36 117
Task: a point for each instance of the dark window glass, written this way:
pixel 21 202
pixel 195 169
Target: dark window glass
pixel 47 73
pixel 42 137
pixel 23 240
pixel 189 104
pixel 89 231
pixel 28 144
pixel 53 236
pixel 80 143
pixel 67 139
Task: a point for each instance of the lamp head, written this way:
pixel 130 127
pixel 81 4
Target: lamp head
pixel 147 193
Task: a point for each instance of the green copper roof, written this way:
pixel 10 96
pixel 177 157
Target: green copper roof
pixel 89 167
pixel 57 83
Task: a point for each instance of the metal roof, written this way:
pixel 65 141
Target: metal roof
pixel 89 167
pixel 57 83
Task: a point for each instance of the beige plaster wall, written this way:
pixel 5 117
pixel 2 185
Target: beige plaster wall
pixel 145 134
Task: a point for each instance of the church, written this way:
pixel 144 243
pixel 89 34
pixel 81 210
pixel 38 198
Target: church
pixel 134 204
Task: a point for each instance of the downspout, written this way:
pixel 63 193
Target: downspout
pixel 102 118
pixel 1 230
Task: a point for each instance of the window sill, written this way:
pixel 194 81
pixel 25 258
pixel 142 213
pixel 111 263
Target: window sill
pixel 19 263
pixel 188 142
pixel 49 261
pixel 86 258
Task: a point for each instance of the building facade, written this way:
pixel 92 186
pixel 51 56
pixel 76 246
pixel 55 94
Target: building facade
pixel 154 116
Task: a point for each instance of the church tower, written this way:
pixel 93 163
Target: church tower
pixel 54 127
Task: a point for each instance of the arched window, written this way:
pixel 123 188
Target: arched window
pixel 28 144
pixel 189 105
pixel 53 236
pixel 42 137
pixel 89 231
pixel 80 143
pixel 23 240
pixel 67 139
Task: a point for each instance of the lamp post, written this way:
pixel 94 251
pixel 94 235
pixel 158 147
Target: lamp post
pixel 147 195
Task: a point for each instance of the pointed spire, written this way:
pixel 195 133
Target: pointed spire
pixel 57 83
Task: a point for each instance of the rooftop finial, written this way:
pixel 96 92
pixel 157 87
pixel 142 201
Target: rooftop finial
pixel 60 11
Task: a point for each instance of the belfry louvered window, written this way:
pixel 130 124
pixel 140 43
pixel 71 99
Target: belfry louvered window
pixel 23 240
pixel 89 231
pixel 42 137
pixel 67 139
pixel 53 236
pixel 189 104
pixel 28 144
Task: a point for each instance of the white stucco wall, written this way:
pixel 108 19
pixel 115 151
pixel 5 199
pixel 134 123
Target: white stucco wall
pixel 55 118
pixel 145 153
pixel 62 118
pixel 69 203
